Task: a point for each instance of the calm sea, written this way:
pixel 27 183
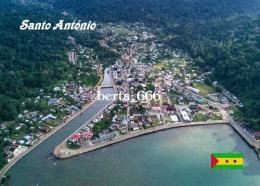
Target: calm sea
pixel 173 157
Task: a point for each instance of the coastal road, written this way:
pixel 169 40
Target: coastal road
pixel 227 117
pixel 17 158
pixel 59 152
pixel 70 118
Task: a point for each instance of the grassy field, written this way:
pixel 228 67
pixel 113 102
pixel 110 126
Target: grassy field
pixel 120 31
pixel 174 101
pixel 174 93
pixel 204 89
pixel 200 117
pixel 216 118
pixel 55 84
pixel 154 102
pixel 159 65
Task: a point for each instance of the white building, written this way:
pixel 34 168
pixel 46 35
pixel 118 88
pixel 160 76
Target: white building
pixel 185 116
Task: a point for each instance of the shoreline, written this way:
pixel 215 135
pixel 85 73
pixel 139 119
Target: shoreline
pixel 76 152
pixel 247 142
pixel 45 137
pixel 61 151
pixel 17 158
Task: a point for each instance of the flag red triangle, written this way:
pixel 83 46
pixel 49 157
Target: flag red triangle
pixel 214 161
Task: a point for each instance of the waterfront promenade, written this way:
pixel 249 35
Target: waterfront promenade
pixel 62 151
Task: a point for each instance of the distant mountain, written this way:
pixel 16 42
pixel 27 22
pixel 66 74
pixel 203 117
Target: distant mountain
pixel 157 10
pixel 219 34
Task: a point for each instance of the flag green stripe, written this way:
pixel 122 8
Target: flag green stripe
pixel 228 155
pixel 228 167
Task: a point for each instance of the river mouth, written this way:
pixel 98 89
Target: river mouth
pixel 180 156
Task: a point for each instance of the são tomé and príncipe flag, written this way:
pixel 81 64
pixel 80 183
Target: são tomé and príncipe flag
pixel 226 160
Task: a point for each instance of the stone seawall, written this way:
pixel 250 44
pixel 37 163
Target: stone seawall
pixel 62 151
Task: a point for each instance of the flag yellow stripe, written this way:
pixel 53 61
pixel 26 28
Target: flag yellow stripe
pixel 223 161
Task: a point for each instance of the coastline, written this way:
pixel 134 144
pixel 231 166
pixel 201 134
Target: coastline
pixel 114 140
pixel 254 147
pixel 247 142
pixel 61 151
pixel 18 157
pixel 76 152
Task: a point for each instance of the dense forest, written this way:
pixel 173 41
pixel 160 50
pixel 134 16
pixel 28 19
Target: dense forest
pixel 32 60
pixel 27 60
pixel 231 49
pixel 35 60
pixel 157 11
pixel 221 35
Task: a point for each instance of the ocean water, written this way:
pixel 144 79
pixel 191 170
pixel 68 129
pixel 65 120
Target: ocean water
pixel 178 156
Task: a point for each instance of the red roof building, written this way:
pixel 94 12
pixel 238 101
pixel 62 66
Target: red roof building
pixel 76 136
pixel 256 133
pixel 87 134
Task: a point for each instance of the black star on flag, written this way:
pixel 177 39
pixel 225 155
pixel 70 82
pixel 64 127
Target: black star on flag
pixel 227 161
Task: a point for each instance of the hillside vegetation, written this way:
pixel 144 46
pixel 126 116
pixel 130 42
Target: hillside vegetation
pixel 221 35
